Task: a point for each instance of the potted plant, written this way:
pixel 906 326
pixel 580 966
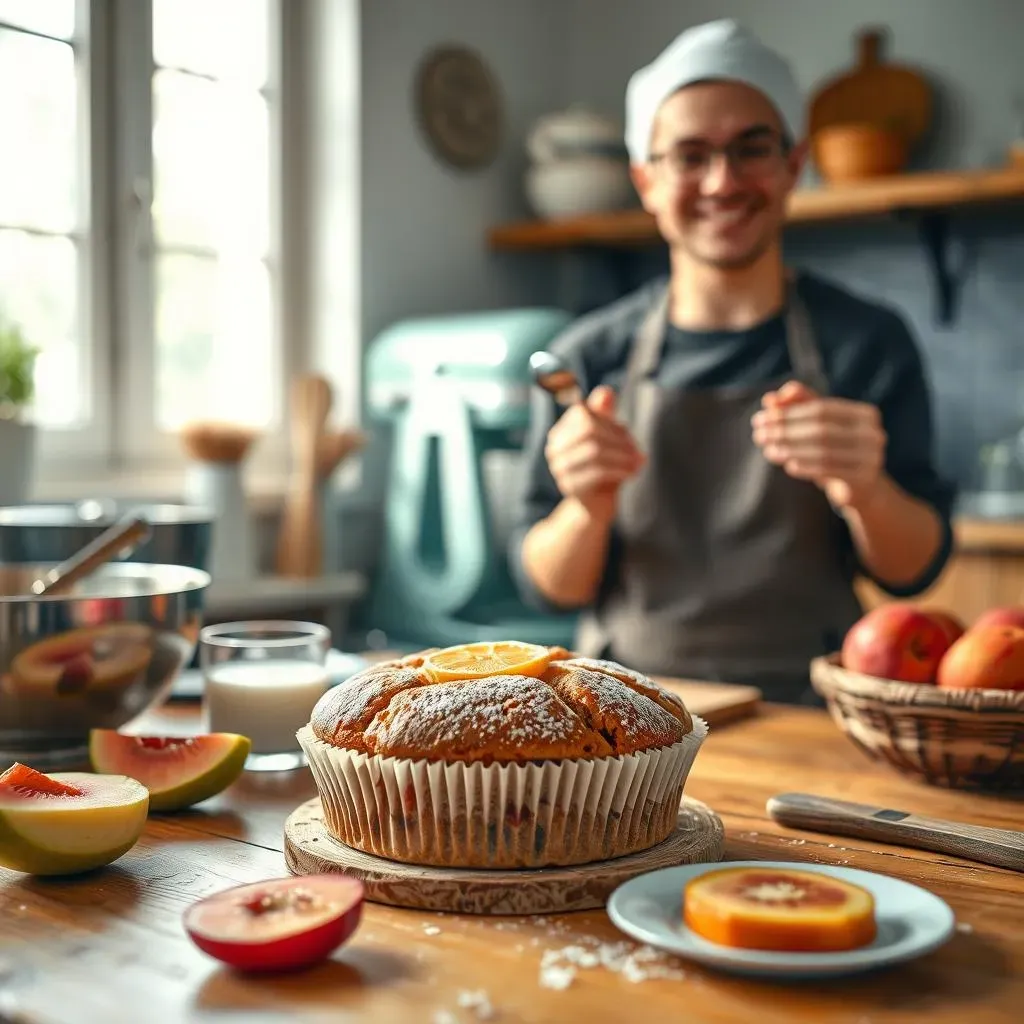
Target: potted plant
pixel 17 435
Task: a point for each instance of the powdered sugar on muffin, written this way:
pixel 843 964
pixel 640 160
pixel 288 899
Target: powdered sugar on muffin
pixel 578 708
pixel 672 703
pixel 344 712
pixel 500 718
pixel 628 720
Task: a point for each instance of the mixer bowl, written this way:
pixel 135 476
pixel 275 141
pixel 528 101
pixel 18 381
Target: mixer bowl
pixel 179 534
pixel 94 658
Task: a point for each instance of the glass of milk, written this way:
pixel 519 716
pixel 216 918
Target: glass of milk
pixel 262 679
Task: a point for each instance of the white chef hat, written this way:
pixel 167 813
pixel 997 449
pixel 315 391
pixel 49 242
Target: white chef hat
pixel 721 49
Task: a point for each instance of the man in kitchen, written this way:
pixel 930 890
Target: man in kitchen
pixel 753 437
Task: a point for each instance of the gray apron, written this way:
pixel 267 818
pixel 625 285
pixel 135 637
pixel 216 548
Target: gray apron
pixel 730 570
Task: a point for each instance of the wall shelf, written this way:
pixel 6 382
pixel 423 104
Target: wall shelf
pixel 927 198
pixel 899 194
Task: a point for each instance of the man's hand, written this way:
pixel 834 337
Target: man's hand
pixel 833 442
pixel 590 454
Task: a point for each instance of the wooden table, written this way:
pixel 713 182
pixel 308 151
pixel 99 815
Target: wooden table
pixel 87 950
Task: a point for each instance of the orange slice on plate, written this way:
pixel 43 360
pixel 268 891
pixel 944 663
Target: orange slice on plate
pixel 477 661
pixel 779 909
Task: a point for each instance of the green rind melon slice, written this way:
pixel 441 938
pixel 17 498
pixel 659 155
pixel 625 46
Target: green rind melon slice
pixel 46 834
pixel 178 771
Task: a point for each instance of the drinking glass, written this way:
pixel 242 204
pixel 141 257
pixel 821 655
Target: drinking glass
pixel 262 680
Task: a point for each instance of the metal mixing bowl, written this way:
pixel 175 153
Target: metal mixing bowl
pixel 32 534
pixel 96 657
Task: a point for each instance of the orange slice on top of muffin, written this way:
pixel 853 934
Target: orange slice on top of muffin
pixel 482 660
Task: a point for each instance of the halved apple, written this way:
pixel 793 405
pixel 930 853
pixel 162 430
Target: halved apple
pixel 279 925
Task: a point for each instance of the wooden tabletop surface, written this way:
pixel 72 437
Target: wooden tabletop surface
pixel 110 947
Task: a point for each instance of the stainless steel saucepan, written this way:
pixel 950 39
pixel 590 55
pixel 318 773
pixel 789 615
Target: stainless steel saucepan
pixel 96 656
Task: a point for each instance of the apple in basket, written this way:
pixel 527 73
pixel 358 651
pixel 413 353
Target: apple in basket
pixel 985 657
pixel 1010 615
pixel 896 641
pixel 950 623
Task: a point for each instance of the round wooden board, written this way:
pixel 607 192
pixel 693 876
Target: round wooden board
pixel 310 849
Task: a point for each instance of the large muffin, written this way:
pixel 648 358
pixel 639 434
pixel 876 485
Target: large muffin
pixel 581 760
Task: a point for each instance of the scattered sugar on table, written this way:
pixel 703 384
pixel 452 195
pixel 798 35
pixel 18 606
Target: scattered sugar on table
pixel 559 967
pixel 478 1002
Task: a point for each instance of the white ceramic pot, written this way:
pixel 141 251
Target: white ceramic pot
pixel 575 132
pixel 572 188
pixel 17 461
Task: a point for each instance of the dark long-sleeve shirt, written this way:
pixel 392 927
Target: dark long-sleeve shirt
pixel 868 354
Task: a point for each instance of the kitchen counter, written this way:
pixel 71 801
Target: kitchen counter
pixel 976 534
pixel 84 950
pixel 985 570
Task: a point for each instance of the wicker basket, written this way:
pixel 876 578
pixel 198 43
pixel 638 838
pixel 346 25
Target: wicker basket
pixel 959 739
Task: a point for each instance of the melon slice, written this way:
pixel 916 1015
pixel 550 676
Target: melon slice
pixel 178 771
pixel 69 822
pixel 781 909
pixel 21 780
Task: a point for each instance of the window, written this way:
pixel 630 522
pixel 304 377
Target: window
pixel 45 213
pixel 139 223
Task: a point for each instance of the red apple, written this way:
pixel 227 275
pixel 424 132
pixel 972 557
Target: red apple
pixel 1008 615
pixel 986 657
pixel 279 925
pixel 895 641
pixel 952 626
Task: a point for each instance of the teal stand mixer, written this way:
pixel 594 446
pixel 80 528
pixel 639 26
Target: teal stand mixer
pixel 452 391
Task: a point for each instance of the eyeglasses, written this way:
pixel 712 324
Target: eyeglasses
pixel 747 157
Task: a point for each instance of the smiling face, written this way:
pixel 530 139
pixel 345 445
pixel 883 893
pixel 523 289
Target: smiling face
pixel 719 174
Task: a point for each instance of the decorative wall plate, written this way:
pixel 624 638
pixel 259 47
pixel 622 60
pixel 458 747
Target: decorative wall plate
pixel 459 107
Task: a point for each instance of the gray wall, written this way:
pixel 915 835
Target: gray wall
pixel 423 248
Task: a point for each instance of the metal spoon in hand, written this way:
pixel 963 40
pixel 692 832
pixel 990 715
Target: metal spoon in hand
pixel 555 377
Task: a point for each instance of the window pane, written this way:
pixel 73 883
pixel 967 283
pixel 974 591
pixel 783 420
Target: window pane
pixel 211 165
pixel 215 354
pixel 219 38
pixel 38 133
pixel 39 291
pixel 51 17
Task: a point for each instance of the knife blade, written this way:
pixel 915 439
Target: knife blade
pixel 1000 847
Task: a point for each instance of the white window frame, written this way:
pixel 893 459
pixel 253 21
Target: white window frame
pixel 122 450
pixel 141 442
pixel 84 450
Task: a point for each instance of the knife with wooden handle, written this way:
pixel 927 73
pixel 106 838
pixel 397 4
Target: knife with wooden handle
pixel 1001 847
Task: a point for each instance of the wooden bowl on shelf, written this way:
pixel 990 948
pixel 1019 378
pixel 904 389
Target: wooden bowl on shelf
pixel 957 739
pixel 859 152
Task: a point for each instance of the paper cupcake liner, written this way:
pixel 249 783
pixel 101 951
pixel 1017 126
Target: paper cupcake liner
pixel 456 814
